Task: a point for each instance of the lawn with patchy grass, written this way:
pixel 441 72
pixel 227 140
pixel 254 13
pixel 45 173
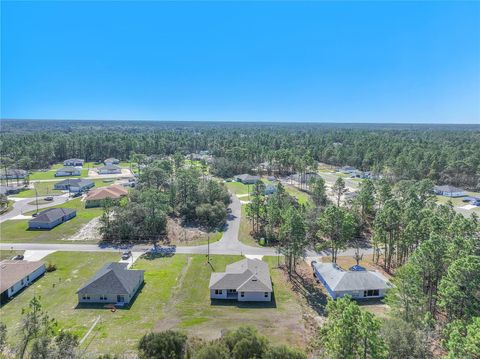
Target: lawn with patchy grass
pixel 17 230
pixel 301 196
pixel 5 254
pixel 244 235
pixel 214 237
pixel 238 187
pixel 43 189
pixel 175 296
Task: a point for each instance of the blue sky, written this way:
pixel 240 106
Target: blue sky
pixel 254 61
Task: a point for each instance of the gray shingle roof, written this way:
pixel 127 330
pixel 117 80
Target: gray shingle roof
pixel 109 167
pixel 52 214
pixel 247 275
pixel 113 278
pixel 68 169
pixel 339 280
pixel 448 189
pixel 75 182
pixel 247 177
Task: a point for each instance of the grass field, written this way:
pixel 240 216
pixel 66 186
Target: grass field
pixel 245 229
pixel 17 230
pixel 175 295
pixel 302 197
pixel 214 237
pixel 43 189
pixel 238 187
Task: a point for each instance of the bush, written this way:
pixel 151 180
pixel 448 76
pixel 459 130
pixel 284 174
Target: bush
pixel 51 267
pixel 284 352
pixel 165 345
pixel 212 351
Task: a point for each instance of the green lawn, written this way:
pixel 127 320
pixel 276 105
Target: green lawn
pixel 9 254
pixel 17 230
pixel 175 295
pixel 302 197
pixel 238 187
pixel 245 229
pixel 43 189
pixel 39 175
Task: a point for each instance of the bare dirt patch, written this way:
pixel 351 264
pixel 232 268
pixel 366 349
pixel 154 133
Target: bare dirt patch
pixel 183 235
pixel 89 232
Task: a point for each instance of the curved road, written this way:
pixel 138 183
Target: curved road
pixel 22 206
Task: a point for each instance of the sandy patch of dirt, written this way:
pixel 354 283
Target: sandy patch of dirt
pixel 176 234
pixel 89 232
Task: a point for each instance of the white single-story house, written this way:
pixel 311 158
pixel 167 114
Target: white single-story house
pixel 13 174
pixel 74 162
pixel 113 283
pixel 357 282
pixel 74 185
pixel 111 161
pixel 245 281
pixel 16 275
pixel 110 169
pixel 247 179
pixel 449 191
pixel 68 171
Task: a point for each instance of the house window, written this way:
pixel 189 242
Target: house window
pixel 103 297
pixel 371 293
pixel 266 295
pixel 218 291
pixel 242 294
pixel 22 282
pixel 231 291
pixel 86 297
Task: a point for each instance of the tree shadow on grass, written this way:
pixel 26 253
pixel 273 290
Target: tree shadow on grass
pixel 307 289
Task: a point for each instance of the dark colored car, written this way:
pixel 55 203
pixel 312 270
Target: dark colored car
pixel 18 257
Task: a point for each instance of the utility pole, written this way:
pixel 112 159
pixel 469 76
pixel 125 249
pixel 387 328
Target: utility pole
pixel 36 198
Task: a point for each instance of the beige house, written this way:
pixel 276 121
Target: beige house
pixel 16 275
pixel 96 197
pixel 245 281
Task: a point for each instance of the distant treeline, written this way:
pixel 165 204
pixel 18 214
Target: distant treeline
pixel 446 154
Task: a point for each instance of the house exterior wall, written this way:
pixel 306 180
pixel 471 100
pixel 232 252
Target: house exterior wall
pixel 42 225
pixel 359 294
pixel 218 296
pixel 25 282
pixel 64 174
pixel 108 297
pixel 254 297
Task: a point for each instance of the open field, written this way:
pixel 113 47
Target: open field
pixel 214 237
pixel 43 189
pixel 238 187
pixel 17 230
pixel 175 295
pixel 302 197
pixel 245 228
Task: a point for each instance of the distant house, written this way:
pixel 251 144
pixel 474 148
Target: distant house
pixel 51 217
pixel 247 179
pixel 113 283
pixel 109 169
pixel 347 169
pixel 74 162
pixel 68 171
pixel 270 189
pixel 9 189
pixel 111 161
pixel 357 282
pixel 244 281
pixel 16 275
pixel 74 185
pixel 13 174
pixel 449 191
pixel 96 197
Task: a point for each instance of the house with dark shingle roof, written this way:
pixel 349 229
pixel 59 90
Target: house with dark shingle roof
pixel 13 174
pixel 357 282
pixel 51 217
pixel 74 162
pixel 113 283
pixel 67 171
pixel 16 275
pixel 74 185
pixel 111 161
pixel 246 281
pixel 247 179
pixel 109 169
pixel 449 191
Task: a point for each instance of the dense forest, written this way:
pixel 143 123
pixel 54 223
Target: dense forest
pixel 445 154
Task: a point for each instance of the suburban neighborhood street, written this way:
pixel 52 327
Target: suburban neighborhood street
pixel 23 205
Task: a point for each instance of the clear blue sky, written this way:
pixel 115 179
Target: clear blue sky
pixel 255 61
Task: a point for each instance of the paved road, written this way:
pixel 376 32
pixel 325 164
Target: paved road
pixel 21 206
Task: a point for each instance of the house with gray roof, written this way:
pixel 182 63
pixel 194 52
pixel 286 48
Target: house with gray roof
pixel 109 169
pixel 16 275
pixel 449 191
pixel 113 283
pixel 247 179
pixel 357 282
pixel 111 161
pixel 74 185
pixel 245 281
pixel 51 218
pixel 73 162
pixel 67 171
pixel 13 174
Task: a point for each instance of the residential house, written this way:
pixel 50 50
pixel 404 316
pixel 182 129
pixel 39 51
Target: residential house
pixel 109 169
pixel 76 162
pixel 74 185
pixel 96 197
pixel 113 283
pixel 13 174
pixel 111 161
pixel 347 169
pixel 244 281
pixel 51 218
pixel 357 282
pixel 247 179
pixel 16 275
pixel 68 171
pixel 449 191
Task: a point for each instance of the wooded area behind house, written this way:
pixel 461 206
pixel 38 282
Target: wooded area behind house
pixel 445 154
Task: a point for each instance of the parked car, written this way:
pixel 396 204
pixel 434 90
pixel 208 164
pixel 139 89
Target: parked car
pixel 48 198
pixel 77 194
pixel 126 254
pixel 18 257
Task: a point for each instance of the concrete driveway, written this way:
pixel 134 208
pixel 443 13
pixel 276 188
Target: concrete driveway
pixel 21 206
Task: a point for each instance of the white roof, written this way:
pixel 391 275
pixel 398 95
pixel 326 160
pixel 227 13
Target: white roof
pixel 339 280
